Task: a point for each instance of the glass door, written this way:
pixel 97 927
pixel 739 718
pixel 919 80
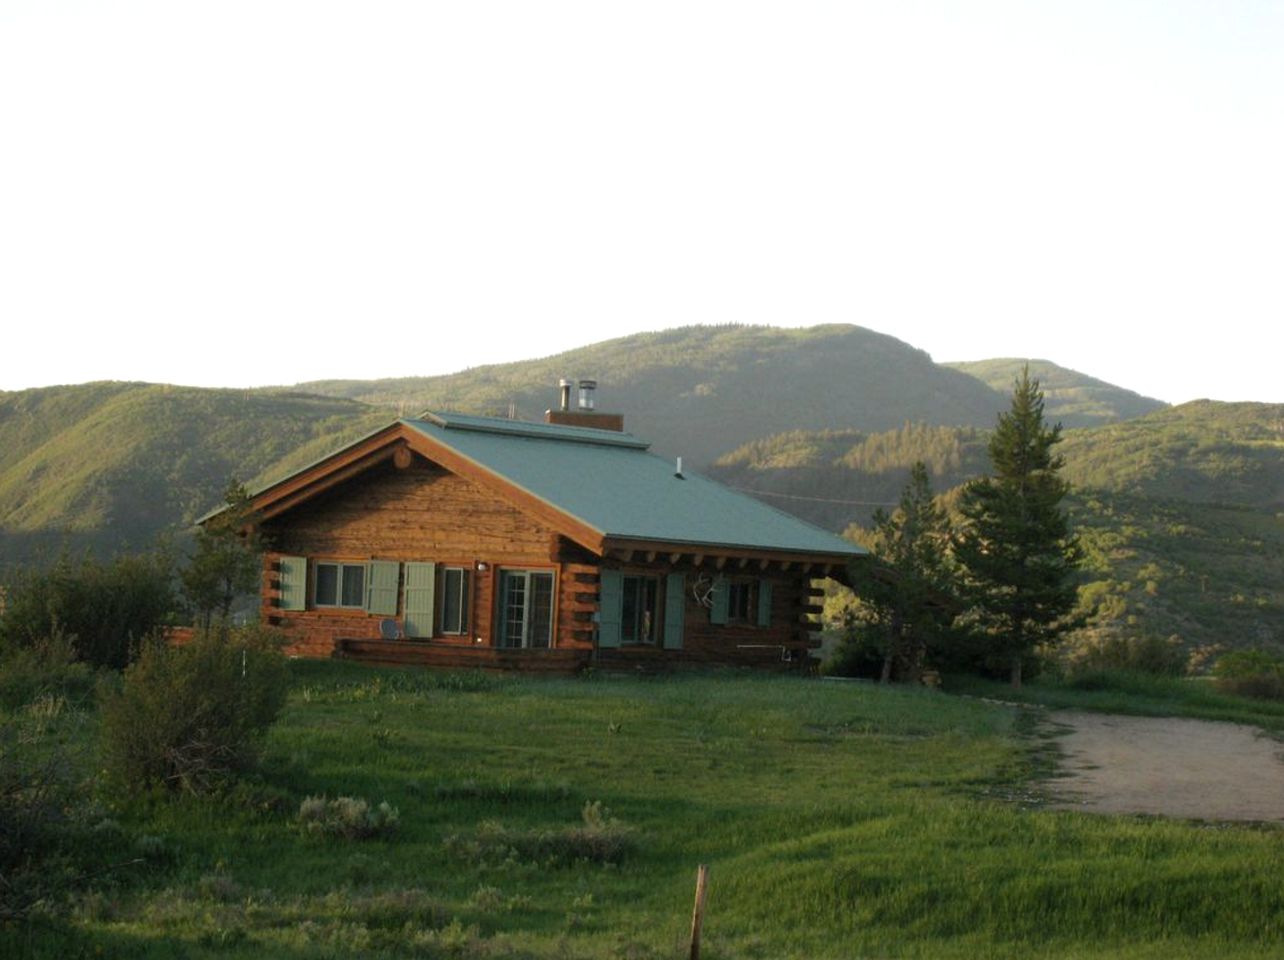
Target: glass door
pixel 525 609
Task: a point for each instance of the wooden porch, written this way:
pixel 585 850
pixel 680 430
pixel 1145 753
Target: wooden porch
pixel 564 661
pixel 649 659
pixel 458 656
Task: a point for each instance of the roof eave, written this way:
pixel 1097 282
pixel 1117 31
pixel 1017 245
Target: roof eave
pixel 617 542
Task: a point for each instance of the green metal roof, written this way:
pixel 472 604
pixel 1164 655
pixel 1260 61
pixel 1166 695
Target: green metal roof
pixel 538 431
pixel 611 482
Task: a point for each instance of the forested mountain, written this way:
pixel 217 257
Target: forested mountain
pixel 702 391
pixel 1200 452
pixel 104 465
pixel 1179 511
pixel 1072 399
pixel 837 477
pixel 1203 451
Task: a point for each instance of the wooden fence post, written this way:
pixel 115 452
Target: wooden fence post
pixel 697 915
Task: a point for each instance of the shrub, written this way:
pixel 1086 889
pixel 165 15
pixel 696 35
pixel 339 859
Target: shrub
pixel 857 654
pixel 349 817
pixel 1147 653
pixel 190 717
pixel 600 838
pixel 1251 673
pixel 35 795
pixel 106 609
pixel 48 667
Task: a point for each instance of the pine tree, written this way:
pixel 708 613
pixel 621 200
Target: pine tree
pixel 1016 545
pixel 227 562
pixel 906 589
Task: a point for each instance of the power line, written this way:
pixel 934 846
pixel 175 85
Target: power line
pixel 791 496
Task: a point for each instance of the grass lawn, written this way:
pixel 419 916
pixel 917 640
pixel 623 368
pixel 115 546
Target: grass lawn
pixel 1137 694
pixel 839 820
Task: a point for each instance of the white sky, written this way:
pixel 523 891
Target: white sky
pixel 242 193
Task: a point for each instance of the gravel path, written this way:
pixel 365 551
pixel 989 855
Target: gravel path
pixel 1194 769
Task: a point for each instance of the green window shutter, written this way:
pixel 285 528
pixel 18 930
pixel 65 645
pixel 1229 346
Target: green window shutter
pixel 609 607
pixel 381 587
pixel 421 584
pixel 720 610
pixel 675 609
pixel 294 583
pixel 764 603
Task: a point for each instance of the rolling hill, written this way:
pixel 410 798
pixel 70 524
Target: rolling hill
pixel 702 391
pixel 1203 451
pixel 1179 511
pixel 1071 398
pixel 104 465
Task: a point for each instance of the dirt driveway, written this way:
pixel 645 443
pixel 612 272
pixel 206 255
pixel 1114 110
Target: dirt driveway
pixel 1193 769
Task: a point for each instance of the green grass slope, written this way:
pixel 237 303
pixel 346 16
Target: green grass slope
pixel 111 464
pixel 1211 576
pixel 1073 399
pixel 838 820
pixel 702 391
pixel 1203 451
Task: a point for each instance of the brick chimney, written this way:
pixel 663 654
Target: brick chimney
pixel 584 415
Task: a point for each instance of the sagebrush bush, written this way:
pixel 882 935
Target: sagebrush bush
pixel 1251 673
pixel 190 717
pixel 349 817
pixel 106 608
pixel 48 667
pixel 599 838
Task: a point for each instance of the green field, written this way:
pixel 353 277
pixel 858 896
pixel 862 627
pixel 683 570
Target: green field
pixel 838 819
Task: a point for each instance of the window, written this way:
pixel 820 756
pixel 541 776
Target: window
pixel 525 609
pixel 455 600
pixel 740 601
pixel 339 585
pixel 639 608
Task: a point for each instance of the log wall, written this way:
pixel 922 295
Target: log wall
pixel 417 513
pixel 420 512
pixel 786 643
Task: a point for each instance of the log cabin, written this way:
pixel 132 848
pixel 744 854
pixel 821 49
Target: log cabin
pixel 465 541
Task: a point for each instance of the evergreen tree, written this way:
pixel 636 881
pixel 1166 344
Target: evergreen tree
pixel 227 562
pixel 1016 545
pixel 906 590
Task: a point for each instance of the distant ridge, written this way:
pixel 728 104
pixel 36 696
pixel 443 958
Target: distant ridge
pixel 109 464
pixel 1072 399
pixel 1180 512
pixel 701 391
